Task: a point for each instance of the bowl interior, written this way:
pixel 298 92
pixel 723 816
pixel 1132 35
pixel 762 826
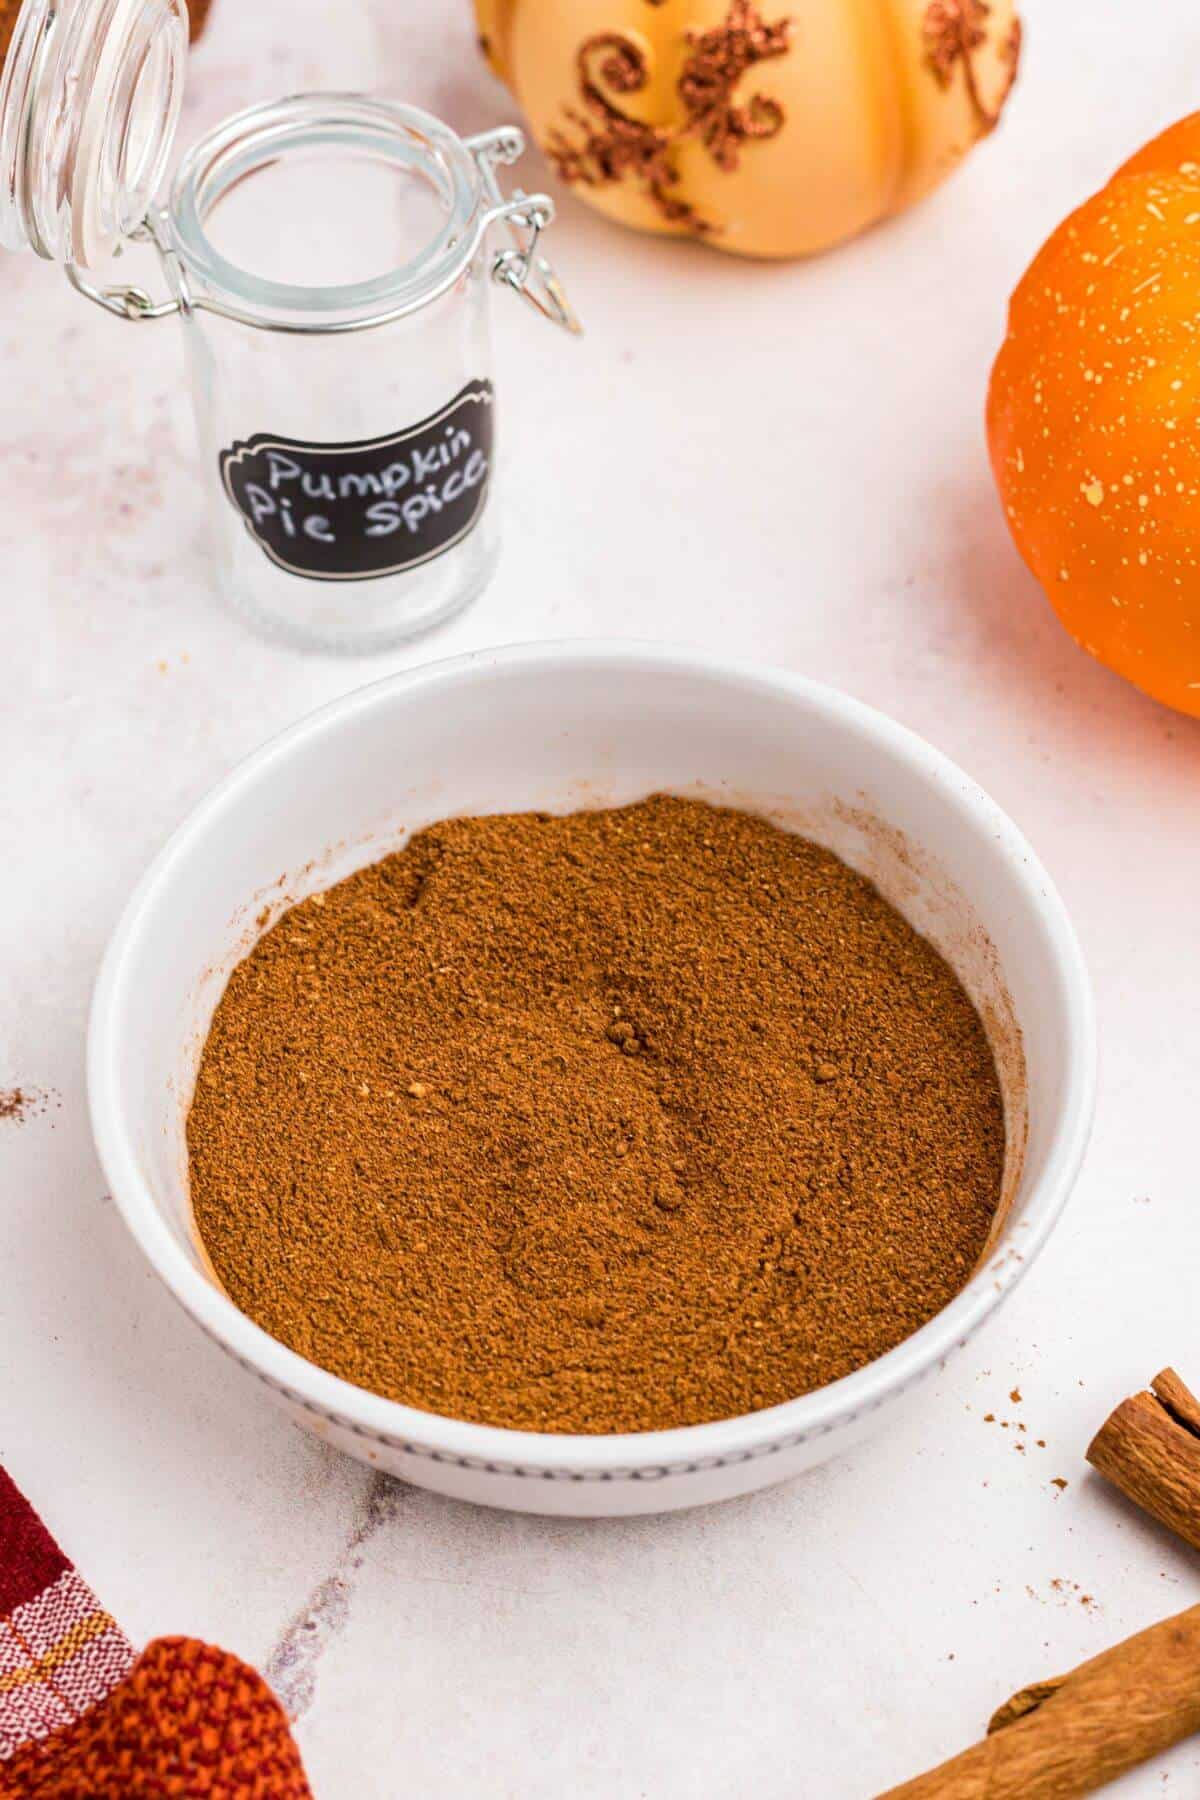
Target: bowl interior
pixel 558 730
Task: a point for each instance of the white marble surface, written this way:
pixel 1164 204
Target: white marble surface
pixel 779 462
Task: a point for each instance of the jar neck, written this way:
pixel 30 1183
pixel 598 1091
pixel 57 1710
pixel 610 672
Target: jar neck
pixel 301 130
pixel 90 96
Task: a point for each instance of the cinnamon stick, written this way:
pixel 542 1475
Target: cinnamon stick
pixel 1068 1737
pixel 1150 1448
pixel 1062 1739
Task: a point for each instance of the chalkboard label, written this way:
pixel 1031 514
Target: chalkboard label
pixel 353 512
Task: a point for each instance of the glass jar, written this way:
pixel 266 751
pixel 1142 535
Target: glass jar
pixel 342 379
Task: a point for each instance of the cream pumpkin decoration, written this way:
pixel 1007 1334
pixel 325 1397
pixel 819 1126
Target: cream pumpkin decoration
pixel 773 130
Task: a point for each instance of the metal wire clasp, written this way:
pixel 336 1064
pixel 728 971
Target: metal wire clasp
pixel 520 267
pixel 527 216
pixel 132 303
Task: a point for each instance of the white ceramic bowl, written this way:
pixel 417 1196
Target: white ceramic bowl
pixel 556 727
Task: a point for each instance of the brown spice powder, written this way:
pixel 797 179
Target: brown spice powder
pixel 21 1103
pixel 613 1122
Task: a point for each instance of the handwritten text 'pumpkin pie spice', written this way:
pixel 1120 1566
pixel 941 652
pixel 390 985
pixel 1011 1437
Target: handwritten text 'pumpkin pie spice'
pixel 612 1122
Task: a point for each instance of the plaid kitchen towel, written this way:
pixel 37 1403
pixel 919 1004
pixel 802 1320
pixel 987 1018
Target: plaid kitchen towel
pixel 60 1652
pixel 83 1718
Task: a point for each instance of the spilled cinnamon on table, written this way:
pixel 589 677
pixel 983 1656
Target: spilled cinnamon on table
pixel 609 1122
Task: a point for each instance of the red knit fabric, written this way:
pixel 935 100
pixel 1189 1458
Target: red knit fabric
pixel 190 1723
pixel 80 1720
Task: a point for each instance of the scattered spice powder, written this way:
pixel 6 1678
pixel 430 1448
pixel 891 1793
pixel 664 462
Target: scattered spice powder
pixel 21 1103
pixel 617 1121
pixel 1068 1590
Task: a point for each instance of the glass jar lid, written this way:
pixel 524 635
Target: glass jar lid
pixel 90 97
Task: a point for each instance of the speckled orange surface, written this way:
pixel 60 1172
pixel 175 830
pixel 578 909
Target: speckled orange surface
pixel 190 1721
pixel 1094 420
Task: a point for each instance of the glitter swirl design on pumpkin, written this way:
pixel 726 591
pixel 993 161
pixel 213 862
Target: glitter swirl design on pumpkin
pixel 953 30
pixel 613 147
pixel 717 63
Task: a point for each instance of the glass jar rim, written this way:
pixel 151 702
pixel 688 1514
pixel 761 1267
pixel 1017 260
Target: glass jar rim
pixel 261 136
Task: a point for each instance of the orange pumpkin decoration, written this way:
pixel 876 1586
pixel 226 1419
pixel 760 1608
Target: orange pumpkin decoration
pixel 768 129
pixel 1094 420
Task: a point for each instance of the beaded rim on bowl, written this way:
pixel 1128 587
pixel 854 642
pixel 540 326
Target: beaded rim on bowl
pixel 641 1456
pixel 548 1472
